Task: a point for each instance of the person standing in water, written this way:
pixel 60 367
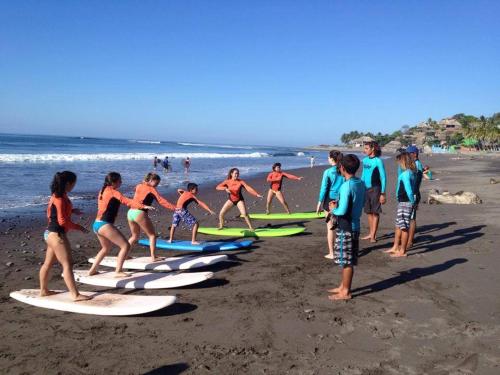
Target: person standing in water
pixel 276 180
pixel 165 164
pixel 187 165
pixel 374 177
pixel 146 194
pixel 108 204
pixel 59 212
pixel 312 161
pixel 233 186
pixel 329 192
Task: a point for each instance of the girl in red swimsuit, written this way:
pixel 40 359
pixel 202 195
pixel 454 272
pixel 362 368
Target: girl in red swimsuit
pixel 234 186
pixel 59 212
pixel 276 180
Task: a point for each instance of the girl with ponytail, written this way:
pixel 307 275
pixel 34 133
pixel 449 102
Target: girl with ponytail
pixel 59 212
pixel 108 204
pixel 146 193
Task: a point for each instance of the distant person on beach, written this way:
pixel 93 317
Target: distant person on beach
pixel 276 180
pixel 156 161
pixel 108 204
pixel 181 213
pixel 146 194
pixel 419 172
pixel 233 186
pixel 405 193
pixel 329 192
pixel 187 165
pixel 374 177
pixel 312 161
pixel 347 210
pixel 165 164
pixel 427 173
pixel 59 210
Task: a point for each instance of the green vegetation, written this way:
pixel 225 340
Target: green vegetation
pixel 482 132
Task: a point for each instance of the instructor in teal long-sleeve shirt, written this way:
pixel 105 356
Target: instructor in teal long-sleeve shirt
pixel 375 178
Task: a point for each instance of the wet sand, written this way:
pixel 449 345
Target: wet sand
pixel 266 311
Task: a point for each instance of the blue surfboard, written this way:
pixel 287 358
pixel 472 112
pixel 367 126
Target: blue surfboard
pixel 204 246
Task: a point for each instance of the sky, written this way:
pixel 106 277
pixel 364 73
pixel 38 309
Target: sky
pixel 244 72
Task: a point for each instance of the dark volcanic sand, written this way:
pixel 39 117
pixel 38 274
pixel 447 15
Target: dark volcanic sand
pixel 266 311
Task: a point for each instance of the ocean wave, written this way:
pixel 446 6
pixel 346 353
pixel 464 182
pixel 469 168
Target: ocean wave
pixel 51 158
pixel 148 142
pixel 218 146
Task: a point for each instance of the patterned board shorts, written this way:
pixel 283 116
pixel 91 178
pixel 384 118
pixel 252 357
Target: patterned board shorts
pixel 346 249
pixel 185 216
pixel 404 214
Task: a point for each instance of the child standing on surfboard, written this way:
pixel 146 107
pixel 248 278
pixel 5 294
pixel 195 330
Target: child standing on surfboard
pixel 233 186
pixel 347 210
pixel 146 193
pixel 181 212
pixel 329 191
pixel 59 212
pixel 276 180
pixel 108 204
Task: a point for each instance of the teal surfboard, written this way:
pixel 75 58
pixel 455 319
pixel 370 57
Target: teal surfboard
pixel 203 246
pixel 292 216
pixel 259 232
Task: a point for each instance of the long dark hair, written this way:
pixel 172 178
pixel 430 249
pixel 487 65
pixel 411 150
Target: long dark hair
pixel 276 165
pixel 335 155
pixel 231 172
pixel 60 181
pixel 111 178
pixel 375 146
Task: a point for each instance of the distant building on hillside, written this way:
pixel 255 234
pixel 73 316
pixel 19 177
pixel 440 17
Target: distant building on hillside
pixel 359 142
pixel 450 125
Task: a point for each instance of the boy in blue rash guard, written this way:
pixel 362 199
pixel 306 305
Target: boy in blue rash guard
pixel 405 194
pixel 419 174
pixel 347 210
pixel 374 177
pixel 329 191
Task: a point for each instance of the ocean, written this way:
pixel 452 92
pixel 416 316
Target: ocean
pixel 28 163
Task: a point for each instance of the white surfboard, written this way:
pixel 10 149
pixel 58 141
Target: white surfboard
pixel 100 304
pixel 142 280
pixel 168 264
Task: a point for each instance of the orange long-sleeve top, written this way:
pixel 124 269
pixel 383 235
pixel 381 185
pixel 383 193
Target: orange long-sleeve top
pixel 186 198
pixel 109 202
pixel 145 194
pixel 235 189
pixel 59 215
pixel 276 179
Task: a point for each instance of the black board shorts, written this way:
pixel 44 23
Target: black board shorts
pixel 372 201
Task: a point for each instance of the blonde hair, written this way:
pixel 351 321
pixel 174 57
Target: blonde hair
pixel 406 161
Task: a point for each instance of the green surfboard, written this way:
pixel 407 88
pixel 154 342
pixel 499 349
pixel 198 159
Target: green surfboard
pixel 292 216
pixel 259 232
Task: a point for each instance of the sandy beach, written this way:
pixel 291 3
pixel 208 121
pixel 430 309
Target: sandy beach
pixel 266 310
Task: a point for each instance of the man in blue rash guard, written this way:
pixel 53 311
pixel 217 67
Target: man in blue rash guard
pixel 405 195
pixel 348 210
pixel 413 151
pixel 329 191
pixel 374 177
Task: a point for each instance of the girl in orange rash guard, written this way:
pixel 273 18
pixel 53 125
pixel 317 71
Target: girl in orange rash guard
pixel 108 203
pixel 234 186
pixel 146 193
pixel 276 180
pixel 59 212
